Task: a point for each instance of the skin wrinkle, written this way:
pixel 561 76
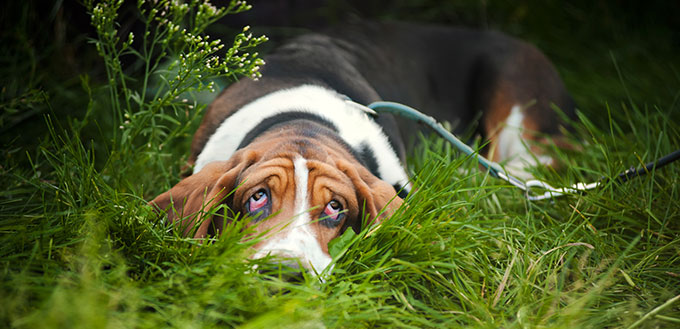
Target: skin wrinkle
pixel 328 184
pixel 276 176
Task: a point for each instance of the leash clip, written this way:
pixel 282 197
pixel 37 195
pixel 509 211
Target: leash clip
pixel 361 107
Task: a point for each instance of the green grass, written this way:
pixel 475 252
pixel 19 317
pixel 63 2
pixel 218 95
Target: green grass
pixel 80 248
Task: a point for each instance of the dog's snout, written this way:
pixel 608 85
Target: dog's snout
pixel 296 246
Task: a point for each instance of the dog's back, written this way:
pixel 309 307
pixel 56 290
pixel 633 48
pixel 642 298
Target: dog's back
pixel 500 86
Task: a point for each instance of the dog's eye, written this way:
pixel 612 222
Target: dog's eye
pixel 257 201
pixel 333 211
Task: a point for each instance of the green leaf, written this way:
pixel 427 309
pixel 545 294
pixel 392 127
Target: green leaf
pixel 339 245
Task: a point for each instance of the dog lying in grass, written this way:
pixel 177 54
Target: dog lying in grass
pixel 293 153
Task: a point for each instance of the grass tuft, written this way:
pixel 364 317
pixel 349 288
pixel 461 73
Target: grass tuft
pixel 80 247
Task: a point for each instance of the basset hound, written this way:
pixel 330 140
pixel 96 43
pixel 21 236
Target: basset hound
pixel 295 153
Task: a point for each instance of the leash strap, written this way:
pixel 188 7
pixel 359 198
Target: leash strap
pixel 495 169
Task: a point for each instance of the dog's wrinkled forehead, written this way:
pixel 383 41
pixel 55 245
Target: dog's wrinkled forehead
pixel 278 162
pixel 307 147
pixel 294 169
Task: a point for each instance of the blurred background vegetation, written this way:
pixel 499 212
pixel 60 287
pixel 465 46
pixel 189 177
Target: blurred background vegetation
pixel 606 51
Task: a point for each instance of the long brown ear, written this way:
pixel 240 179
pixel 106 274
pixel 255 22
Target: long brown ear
pixel 377 198
pixel 187 202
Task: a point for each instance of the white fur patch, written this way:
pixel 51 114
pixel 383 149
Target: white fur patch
pixel 511 146
pixel 297 240
pixel 354 126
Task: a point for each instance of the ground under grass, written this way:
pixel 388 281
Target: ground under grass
pixel 80 248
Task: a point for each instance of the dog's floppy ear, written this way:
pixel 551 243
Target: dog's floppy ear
pixel 376 198
pixel 194 196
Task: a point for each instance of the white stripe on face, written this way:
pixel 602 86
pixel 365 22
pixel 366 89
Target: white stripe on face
pixel 301 182
pixel 298 240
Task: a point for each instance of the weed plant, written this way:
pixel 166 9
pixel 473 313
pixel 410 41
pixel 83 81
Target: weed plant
pixel 80 247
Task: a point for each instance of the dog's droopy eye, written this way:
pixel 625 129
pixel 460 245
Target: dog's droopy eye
pixel 333 212
pixel 257 201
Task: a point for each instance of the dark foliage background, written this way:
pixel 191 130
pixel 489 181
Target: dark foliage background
pixel 45 45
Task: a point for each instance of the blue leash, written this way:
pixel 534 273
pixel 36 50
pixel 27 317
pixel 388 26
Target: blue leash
pixel 495 170
pixel 413 114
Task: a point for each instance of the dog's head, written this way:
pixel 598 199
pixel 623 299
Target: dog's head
pixel 301 193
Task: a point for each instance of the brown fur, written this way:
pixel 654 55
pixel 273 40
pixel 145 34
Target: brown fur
pixel 517 85
pixel 268 162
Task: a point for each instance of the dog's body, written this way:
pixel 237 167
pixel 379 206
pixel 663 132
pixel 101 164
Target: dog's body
pixel 316 164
